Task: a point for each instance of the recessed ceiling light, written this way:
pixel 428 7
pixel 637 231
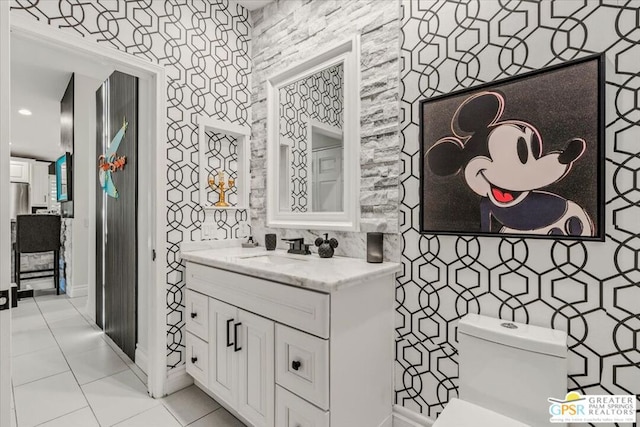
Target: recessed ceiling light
pixel 24 112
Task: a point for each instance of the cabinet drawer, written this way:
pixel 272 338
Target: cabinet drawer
pixel 302 365
pixel 292 411
pixel 300 308
pixel 197 358
pixel 197 312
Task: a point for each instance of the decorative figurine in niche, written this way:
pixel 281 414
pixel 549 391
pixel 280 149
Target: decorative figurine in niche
pixel 326 246
pixel 222 188
pixel 109 162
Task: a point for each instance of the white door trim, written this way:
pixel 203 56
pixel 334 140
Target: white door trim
pixel 5 230
pixel 153 167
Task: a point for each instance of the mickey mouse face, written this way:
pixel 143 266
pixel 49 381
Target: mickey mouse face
pixel 501 160
pixel 514 166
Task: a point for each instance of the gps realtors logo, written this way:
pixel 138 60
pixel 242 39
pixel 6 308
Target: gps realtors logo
pixel 576 408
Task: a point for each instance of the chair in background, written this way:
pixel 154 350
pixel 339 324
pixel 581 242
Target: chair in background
pixel 35 234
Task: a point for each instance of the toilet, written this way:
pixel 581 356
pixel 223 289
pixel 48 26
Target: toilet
pixel 507 371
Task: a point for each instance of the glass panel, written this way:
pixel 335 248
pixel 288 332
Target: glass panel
pixel 311 119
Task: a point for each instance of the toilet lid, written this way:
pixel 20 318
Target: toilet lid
pixel 459 413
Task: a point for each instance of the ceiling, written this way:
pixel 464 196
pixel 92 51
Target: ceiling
pixel 253 4
pixel 39 76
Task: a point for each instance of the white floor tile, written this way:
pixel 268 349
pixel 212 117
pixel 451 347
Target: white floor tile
pixel 57 309
pixel 50 297
pixel 80 303
pixel 47 399
pixel 28 322
pixel 36 365
pixel 76 336
pixel 81 418
pixel 156 417
pixel 190 404
pixel 118 397
pixel 69 318
pixel 219 418
pixel 26 307
pixel 70 324
pixel 31 340
pixel 14 423
pixel 95 364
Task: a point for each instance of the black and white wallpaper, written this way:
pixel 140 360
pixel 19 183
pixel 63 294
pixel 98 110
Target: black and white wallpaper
pixel 589 289
pixel 318 97
pixel 204 47
pixel 221 154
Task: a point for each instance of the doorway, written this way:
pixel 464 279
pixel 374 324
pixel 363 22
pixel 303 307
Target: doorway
pixel 151 298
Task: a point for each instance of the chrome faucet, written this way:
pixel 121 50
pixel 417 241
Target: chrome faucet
pixel 298 246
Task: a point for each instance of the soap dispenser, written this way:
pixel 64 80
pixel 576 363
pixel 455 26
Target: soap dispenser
pixel 326 246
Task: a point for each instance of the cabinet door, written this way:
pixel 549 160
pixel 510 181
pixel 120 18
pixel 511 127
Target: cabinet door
pixel 39 184
pixel 223 361
pixel 256 371
pixel 19 171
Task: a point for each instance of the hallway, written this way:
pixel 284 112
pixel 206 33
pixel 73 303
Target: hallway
pixel 65 373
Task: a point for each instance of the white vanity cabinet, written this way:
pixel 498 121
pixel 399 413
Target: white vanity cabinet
pixel 279 355
pixel 235 360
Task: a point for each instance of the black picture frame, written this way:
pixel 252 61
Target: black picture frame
pixel 477 132
pixel 64 178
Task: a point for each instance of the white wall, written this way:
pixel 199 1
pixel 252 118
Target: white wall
pixel 84 163
pixel 38 89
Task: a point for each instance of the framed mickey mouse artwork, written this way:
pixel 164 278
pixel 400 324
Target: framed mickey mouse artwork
pixel 522 156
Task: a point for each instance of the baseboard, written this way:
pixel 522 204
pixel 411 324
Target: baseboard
pixel 177 379
pixel 76 291
pixel 142 361
pixel 403 417
pixel 388 422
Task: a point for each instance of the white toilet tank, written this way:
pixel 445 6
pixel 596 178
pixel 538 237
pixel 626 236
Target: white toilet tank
pixel 511 368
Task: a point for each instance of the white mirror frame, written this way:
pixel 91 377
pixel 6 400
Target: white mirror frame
pixel 348 53
pixel 242 134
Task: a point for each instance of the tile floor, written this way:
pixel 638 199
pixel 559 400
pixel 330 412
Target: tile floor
pixel 66 374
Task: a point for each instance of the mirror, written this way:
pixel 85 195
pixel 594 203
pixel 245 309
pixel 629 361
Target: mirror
pixel 223 166
pixel 313 142
pixel 311 119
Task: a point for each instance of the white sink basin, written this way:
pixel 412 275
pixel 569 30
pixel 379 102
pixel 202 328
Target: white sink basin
pixel 274 259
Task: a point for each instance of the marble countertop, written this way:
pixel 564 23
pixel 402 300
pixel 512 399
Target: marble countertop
pixel 305 271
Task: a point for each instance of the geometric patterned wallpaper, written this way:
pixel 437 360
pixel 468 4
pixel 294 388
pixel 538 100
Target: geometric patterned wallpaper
pixel 317 97
pixel 589 289
pixel 204 47
pixel 221 154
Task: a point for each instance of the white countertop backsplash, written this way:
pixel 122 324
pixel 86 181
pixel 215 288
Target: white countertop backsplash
pixel 307 271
